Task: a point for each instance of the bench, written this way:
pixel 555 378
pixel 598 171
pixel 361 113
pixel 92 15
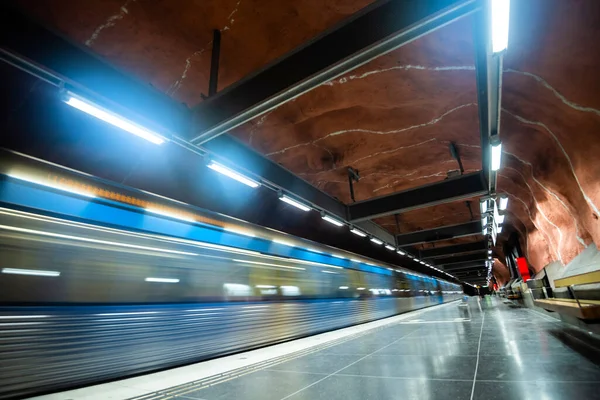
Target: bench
pixel 583 309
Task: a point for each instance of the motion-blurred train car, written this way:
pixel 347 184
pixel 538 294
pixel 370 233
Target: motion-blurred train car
pixel 99 281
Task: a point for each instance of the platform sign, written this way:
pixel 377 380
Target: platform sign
pixel 523 268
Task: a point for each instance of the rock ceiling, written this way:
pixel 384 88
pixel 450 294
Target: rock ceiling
pixel 393 118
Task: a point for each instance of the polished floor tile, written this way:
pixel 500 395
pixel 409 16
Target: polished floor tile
pixel 317 363
pixel 261 385
pixel 363 388
pixel 532 367
pixel 433 367
pixel 532 390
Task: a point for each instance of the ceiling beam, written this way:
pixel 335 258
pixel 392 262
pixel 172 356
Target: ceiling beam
pixel 460 259
pixel 442 233
pixel 377 29
pixel 449 190
pixel 456 249
pixel 464 266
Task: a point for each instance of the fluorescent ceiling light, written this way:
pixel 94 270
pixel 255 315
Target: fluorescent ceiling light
pixel 376 241
pixel 233 174
pixel 496 156
pixel 499 229
pixel 33 272
pixel 392 248
pixel 332 220
pixel 294 203
pixel 484 221
pixel 484 231
pixel 266 286
pixel 503 202
pixel 483 206
pixel 499 219
pixel 360 288
pixel 417 260
pixel 162 280
pixel 358 232
pixel 401 252
pixel 489 251
pixel 500 13
pixel 489 257
pixel 343 287
pixel 113 119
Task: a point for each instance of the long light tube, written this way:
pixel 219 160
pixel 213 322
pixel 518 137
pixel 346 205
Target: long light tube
pixel 233 174
pixel 499 229
pixel 499 219
pixel 116 120
pixel 500 13
pixel 484 221
pixel 391 248
pixel 32 272
pixel 483 206
pixel 332 220
pixel 503 202
pixel 496 155
pixel 292 202
pixel 401 252
pixel 376 241
pixel 358 232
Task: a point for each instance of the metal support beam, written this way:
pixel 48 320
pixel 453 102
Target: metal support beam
pixel 376 30
pixel 214 63
pixel 488 67
pixel 460 259
pixel 441 233
pixel 456 249
pixel 446 191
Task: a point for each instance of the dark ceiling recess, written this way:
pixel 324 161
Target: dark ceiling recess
pixel 460 259
pixel 452 250
pixel 446 191
pixel 441 233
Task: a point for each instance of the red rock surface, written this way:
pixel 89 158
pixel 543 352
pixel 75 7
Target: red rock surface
pixel 393 118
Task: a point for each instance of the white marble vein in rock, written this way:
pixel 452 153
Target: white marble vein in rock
pixel 110 22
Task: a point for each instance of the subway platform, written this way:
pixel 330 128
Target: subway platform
pixel 489 349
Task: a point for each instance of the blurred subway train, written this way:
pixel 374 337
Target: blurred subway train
pixel 100 281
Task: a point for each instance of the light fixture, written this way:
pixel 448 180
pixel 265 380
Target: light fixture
pixel 503 202
pixel 484 221
pixel 358 232
pixel 401 252
pixel 489 257
pixel 499 219
pixel 490 251
pixel 485 231
pixel 332 220
pixel 162 280
pixel 391 248
pixel 266 286
pixel 500 13
pixel 343 287
pixel 293 202
pixel 114 119
pixel 232 174
pixel 32 272
pixel 376 241
pixel 499 229
pixel 483 206
pixel 496 154
pixel 417 260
